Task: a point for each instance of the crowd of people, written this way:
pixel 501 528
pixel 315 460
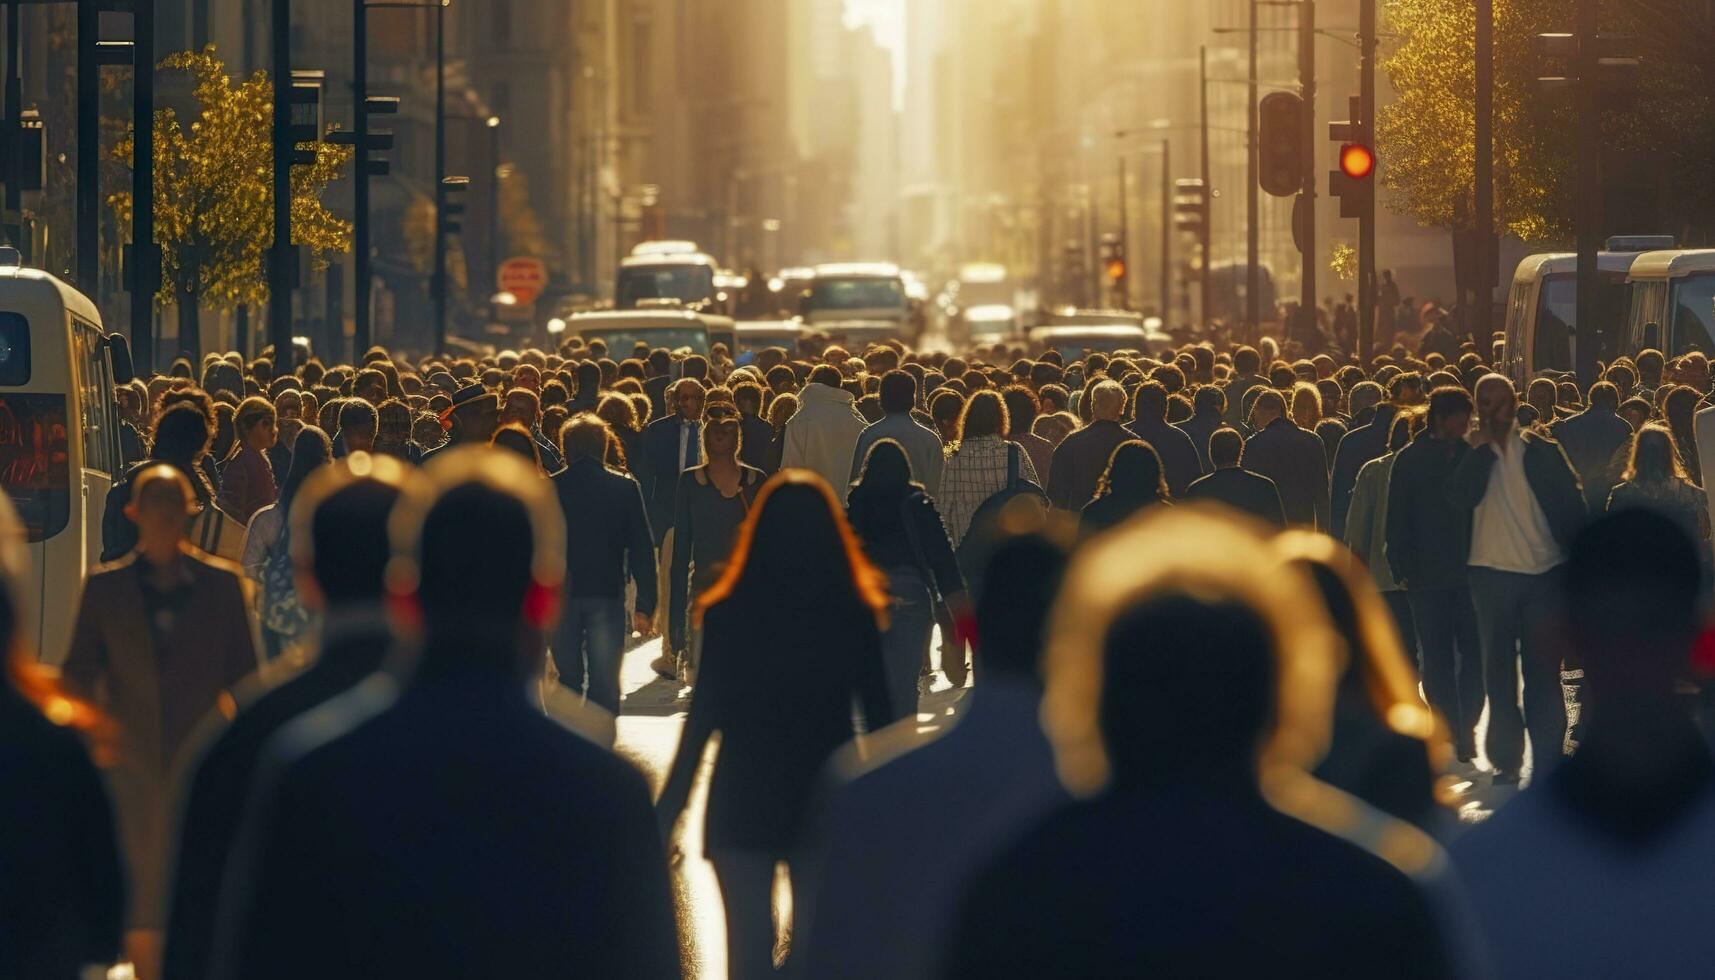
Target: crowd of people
pixel 1233 630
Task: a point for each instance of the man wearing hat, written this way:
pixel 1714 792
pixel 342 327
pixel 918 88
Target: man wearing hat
pixel 472 419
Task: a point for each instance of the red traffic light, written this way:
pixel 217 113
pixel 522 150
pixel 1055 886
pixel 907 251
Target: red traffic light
pixel 1115 270
pixel 1357 161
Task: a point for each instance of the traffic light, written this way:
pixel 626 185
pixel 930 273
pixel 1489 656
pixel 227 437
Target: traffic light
pixel 306 123
pixel 453 190
pixel 1190 206
pixel 1113 258
pixel 1353 181
pixel 1280 139
pixel 375 139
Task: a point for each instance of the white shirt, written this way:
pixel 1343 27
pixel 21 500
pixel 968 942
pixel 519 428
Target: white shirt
pixel 1509 531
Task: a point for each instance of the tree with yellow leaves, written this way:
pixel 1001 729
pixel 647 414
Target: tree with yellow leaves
pixel 214 195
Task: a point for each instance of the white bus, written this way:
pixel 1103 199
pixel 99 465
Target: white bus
pixel 1542 306
pixel 1673 302
pixel 59 437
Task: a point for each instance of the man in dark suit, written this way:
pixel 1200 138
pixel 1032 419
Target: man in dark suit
pixel 756 436
pixel 1357 447
pixel 671 445
pixel 659 370
pixel 1082 457
pixel 447 827
pixel 1179 462
pixel 607 535
pixel 339 526
pixel 1294 459
pixel 1235 486
pixel 1209 405
pixel 1591 438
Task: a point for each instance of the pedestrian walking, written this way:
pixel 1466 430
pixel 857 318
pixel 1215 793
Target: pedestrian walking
pixel 1591 439
pixel 267 560
pixel 1233 485
pixel 708 509
pixel 1525 506
pixel 1082 457
pixel 1359 446
pixel 792 640
pixel 608 544
pixel 981 463
pixel 922 445
pixel 444 825
pixel 1655 479
pixel 1208 406
pixel 246 478
pixel 1022 409
pixel 1290 456
pixel 183 434
pixel 338 516
pixel 672 444
pixel 1178 455
pixel 161 635
pixel 903 535
pixel 822 435
pixel 1366 532
pixel 1134 482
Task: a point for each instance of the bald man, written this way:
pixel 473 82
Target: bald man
pixel 1082 457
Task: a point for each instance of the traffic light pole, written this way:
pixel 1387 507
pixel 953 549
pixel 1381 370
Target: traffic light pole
pixel 1589 181
pixel 438 283
pixel 1307 92
pixel 280 256
pixel 1253 210
pixel 88 149
pixel 1166 284
pixel 361 289
pixel 1206 291
pixel 1122 285
pixel 1367 220
pixel 1484 219
pixel 146 258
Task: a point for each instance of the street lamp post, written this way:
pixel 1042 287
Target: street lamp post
pixel 280 256
pixel 494 197
pixel 438 284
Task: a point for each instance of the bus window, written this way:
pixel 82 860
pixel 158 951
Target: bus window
pixel 1693 316
pixel 14 350
pixel 35 464
pixel 1556 318
pixel 96 391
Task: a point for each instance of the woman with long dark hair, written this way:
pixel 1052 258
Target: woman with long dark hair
pixel 791 637
pixel 62 891
pixel 903 535
pixel 267 545
pixel 1133 481
pixel 1655 478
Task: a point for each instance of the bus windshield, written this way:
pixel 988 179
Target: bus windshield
pixel 1557 318
pixel 857 294
pixel 35 461
pixel 685 283
pixel 1693 312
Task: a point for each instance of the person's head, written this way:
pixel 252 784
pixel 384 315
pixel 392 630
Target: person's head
pixel 1133 472
pixel 945 407
pixel 1406 388
pixel 311 450
pixel 1622 376
pixel 370 385
pixel 338 527
pixel 1604 397
pixel 1246 361
pixel 474 415
pixel 182 435
pixel 1268 406
pixel 1633 606
pixel 886 469
pixel 1450 409
pixel 1542 394
pixel 1497 404
pixel 1225 448
pixel 478 545
pixel 826 375
pixel 516 439
pixel 254 423
pixel 1650 364
pixel 1401 429
pixel 521 407
pixel 984 415
pixel 1106 401
pixel 747 395
pixel 1306 405
pixel 898 392
pixel 781 410
pixel 357 425
pixel 1126 705
pixel 1679 410
pixel 722 432
pixel 1021 408
pixel 1636 411
pixel 585 436
pixel 1021 577
pixel 162 504
pixel 1654 456
pixel 1149 402
pixel 1209 401
pixel 686 396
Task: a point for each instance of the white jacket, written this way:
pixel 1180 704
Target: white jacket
pixel 823 434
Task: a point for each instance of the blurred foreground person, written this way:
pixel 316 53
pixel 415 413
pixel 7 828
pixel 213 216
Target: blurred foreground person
pixel 1385 748
pixel 990 774
pixel 1176 864
pixel 62 893
pixel 791 639
pixel 1601 868
pixel 339 523
pixel 161 636
pixel 449 829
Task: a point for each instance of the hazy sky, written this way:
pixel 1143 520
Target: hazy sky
pixel 887 19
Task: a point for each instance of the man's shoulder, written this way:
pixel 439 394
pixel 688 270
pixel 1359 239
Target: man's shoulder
pixel 108 572
pixel 211 568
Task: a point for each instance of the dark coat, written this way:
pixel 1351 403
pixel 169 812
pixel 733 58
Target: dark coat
pixel 217 784
pixel 1179 461
pixel 246 484
pixel 1428 535
pixel 1236 888
pixel 1079 462
pixel 707 523
pixel 1552 479
pixel 1294 459
pixel 607 534
pixel 62 892
pixel 1199 428
pixel 659 468
pixel 656 389
pixel 1591 439
pixel 1357 447
pixel 1241 490
pixel 756 443
pixel 1111 510
pixel 890 542
pixel 1235 390
pixel 448 830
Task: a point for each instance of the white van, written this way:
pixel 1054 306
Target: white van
pixel 59 436
pixel 1542 306
pixel 1673 302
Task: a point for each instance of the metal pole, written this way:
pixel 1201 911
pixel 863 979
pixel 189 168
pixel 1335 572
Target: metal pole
pixel 1166 286
pixel 88 150
pixel 1123 283
pixel 1484 192
pixel 494 200
pixel 144 255
pixel 1367 220
pixel 1307 90
pixel 361 289
pixel 1253 207
pixel 1589 213
pixel 280 257
pixel 438 284
pixel 14 133
pixel 1205 286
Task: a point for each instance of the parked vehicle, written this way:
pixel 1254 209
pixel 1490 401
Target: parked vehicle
pixel 1542 306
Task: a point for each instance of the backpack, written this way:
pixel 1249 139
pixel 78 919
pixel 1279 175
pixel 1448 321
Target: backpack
pixel 281 612
pixel 986 521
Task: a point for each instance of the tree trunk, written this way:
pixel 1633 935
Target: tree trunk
pixel 190 327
